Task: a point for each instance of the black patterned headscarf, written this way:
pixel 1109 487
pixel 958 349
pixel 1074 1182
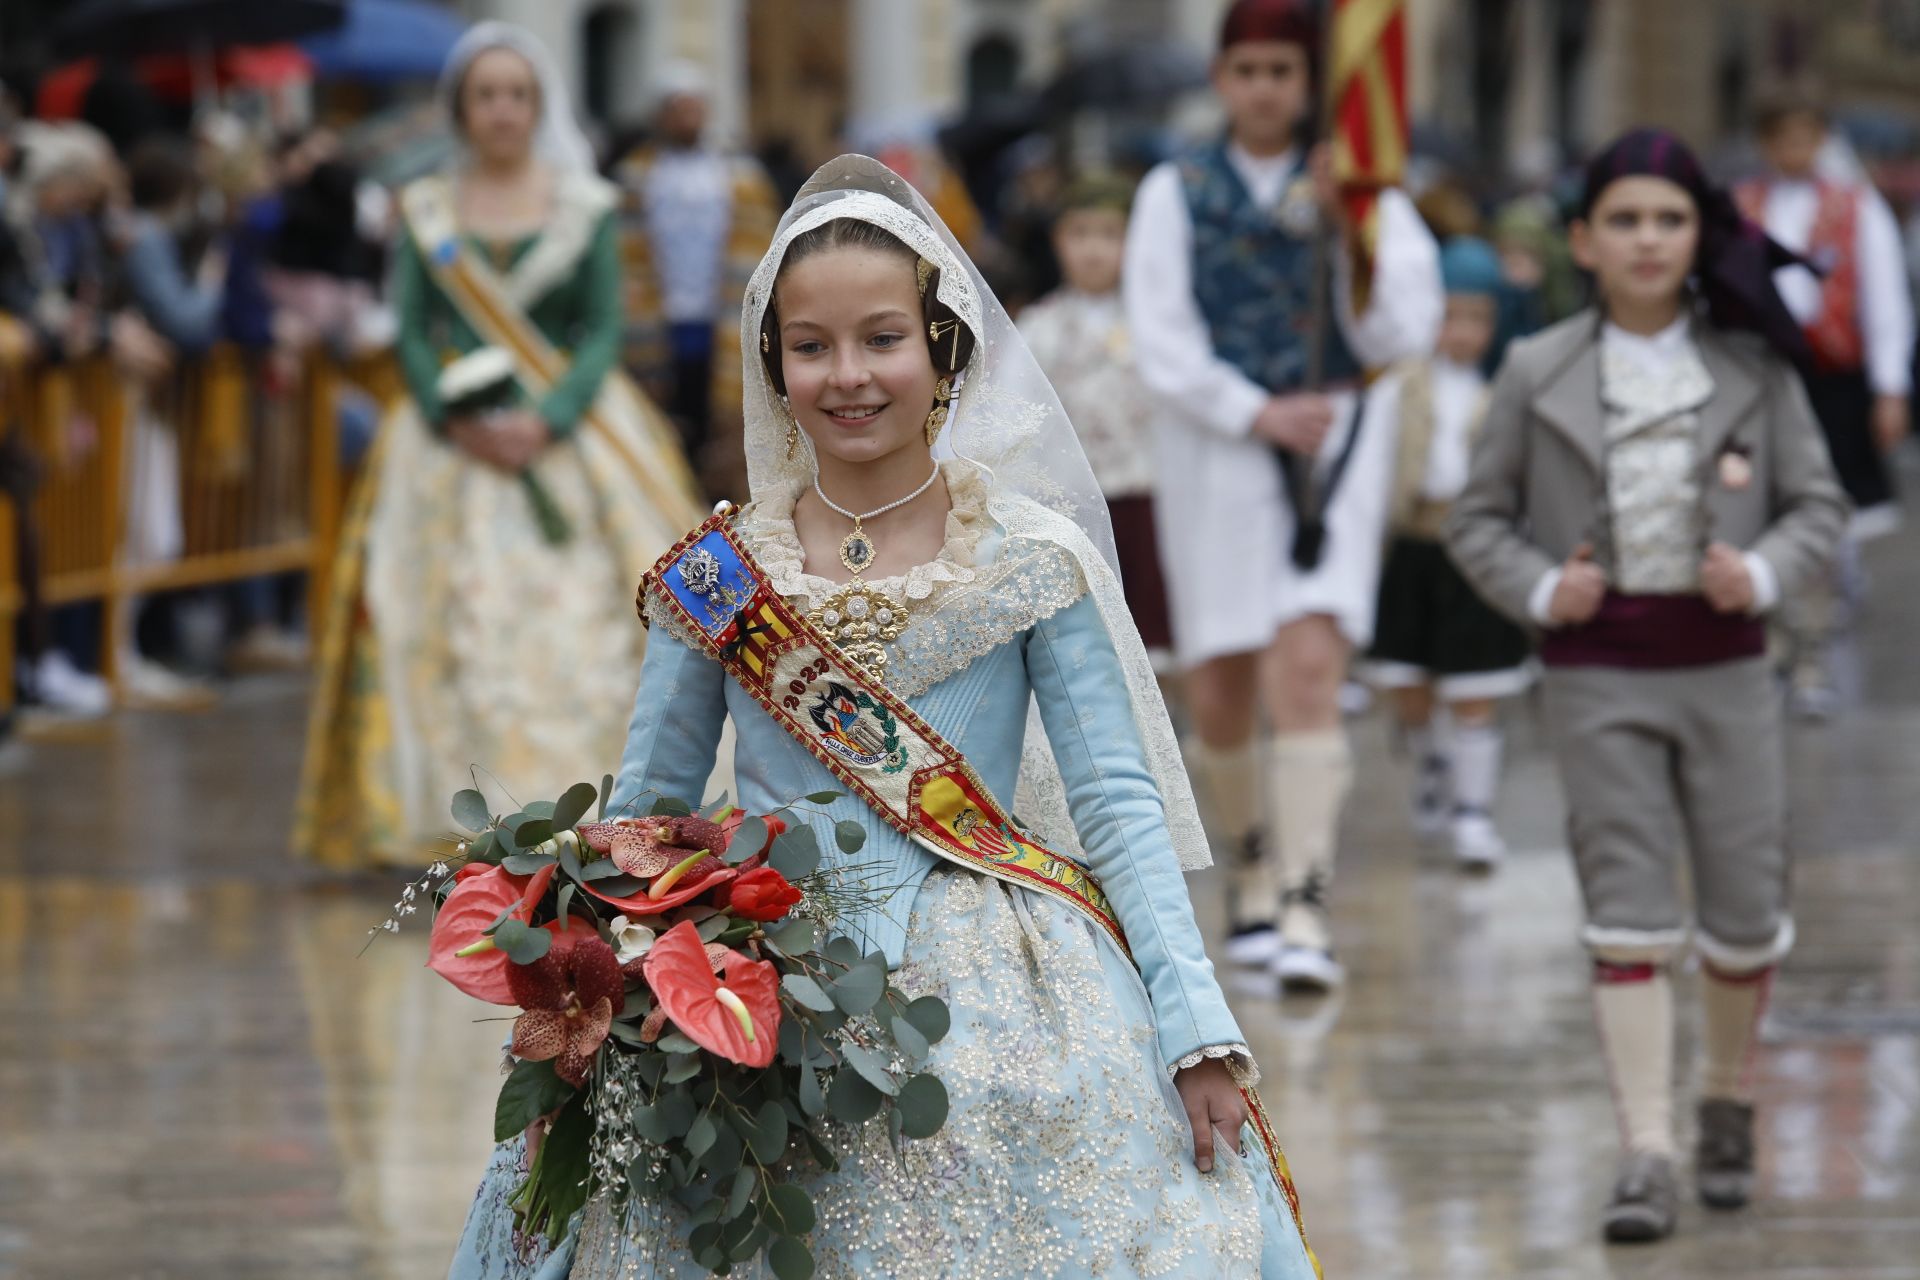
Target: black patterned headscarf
pixel 1734 266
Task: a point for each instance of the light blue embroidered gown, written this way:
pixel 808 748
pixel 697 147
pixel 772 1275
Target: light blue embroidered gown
pixel 1067 1152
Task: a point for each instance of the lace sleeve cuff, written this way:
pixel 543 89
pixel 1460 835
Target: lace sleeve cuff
pixel 1240 1063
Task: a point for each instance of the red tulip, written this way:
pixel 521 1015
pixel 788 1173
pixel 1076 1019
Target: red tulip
pixel 570 996
pixel 459 950
pixel 739 1019
pixel 761 894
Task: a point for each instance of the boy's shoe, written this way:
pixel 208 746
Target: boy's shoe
pixel 1432 798
pixel 60 686
pixel 1643 1208
pixel 1253 946
pixel 1477 845
pixel 1723 1154
pixel 1308 970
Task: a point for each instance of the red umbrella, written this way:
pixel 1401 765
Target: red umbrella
pixel 171 75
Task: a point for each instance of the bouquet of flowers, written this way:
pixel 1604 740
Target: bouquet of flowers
pixel 688 1021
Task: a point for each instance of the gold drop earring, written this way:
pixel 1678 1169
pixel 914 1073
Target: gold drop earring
pixel 937 418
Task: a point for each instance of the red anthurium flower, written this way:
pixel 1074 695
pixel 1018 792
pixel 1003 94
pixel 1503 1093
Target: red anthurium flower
pixel 761 894
pixel 738 1018
pixel 570 996
pixel 705 874
pixel 474 904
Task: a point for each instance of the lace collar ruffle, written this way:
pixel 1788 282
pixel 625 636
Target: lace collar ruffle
pixel 767 527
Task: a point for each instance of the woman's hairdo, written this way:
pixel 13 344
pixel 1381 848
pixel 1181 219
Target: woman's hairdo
pixel 954 346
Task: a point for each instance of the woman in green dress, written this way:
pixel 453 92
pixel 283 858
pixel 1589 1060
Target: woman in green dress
pixel 481 599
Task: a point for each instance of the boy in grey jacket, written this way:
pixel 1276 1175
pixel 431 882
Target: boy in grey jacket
pixel 1649 481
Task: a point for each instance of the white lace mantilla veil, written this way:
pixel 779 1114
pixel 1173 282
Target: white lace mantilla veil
pixel 557 139
pixel 1007 421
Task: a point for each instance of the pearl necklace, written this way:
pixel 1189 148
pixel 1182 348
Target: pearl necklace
pixel 859 618
pixel 857 551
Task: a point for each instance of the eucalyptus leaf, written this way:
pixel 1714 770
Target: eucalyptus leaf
pixel 922 1106
pixel 523 944
pixel 567 892
pixel 851 1099
pixel 741 1238
pixel 668 807
pixel 470 810
pixel 790 1209
pixel 570 859
pixel 540 809
pixel 849 835
pixel 796 853
pixel 870 1065
pixel 680 1067
pixel 533 832
pixel 911 1042
pixel 674 1042
pixel 678 1111
pixel 712 1211
pixel 602 869
pixel 858 989
pixel 628 1033
pixel 824 797
pixel 769 1140
pixel 746 840
pixel 790 1259
pixel 813 1100
pixel 649 1122
pixel 563 1160
pixel 703 1242
pixel 701 1135
pixel 484 848
pixel 717 806
pixel 531 1090
pixel 843 950
pixel 742 1194
pixel 930 1016
pixel 794 935
pixel 808 992
pixel 793 1048
pixel 725 1156
pixel 525 864
pixel 606 797
pixel 822 1154
pixel 711 928
pixel 573 806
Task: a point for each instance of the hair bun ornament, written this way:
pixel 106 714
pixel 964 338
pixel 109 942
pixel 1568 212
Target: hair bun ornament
pixel 923 275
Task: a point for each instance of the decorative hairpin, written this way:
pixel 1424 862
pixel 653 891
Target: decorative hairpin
pixel 923 272
pixel 938 329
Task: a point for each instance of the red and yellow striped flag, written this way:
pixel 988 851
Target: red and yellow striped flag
pixel 1367 96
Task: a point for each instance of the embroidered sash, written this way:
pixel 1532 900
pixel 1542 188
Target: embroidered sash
pixel 872 741
pixel 481 298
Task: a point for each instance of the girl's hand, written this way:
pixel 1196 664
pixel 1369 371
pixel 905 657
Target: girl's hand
pixel 1212 1101
pixel 1890 422
pixel 1583 585
pixel 1725 581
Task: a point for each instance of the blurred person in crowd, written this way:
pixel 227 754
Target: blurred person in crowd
pixel 695 218
pixel 483 594
pixel 183 308
pixel 1030 208
pixel 1443 654
pixel 1859 325
pixel 1449 210
pixel 55 286
pixel 1271 494
pixel 1543 286
pixel 1079 335
pixel 1649 481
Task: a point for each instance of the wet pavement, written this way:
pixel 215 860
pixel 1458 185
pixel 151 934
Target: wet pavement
pixel 199 1077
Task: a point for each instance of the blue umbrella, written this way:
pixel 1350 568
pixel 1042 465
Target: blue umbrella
pixel 386 40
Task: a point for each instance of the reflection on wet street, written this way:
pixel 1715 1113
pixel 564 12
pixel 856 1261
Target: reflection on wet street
pixel 199 1078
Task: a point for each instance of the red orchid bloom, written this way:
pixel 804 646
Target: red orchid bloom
pixel 570 996
pixel 761 894
pixel 738 1019
pixel 474 904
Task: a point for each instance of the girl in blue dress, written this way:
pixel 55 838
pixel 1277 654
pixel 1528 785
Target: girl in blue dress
pixel 920 495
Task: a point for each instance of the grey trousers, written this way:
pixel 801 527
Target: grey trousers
pixel 1661 765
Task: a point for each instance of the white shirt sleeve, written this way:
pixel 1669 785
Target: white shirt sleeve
pixel 1766 584
pixel 1886 306
pixel 1171 342
pixel 1407 302
pixel 1540 600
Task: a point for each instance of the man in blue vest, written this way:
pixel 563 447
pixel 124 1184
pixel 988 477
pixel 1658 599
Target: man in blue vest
pixel 1272 475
